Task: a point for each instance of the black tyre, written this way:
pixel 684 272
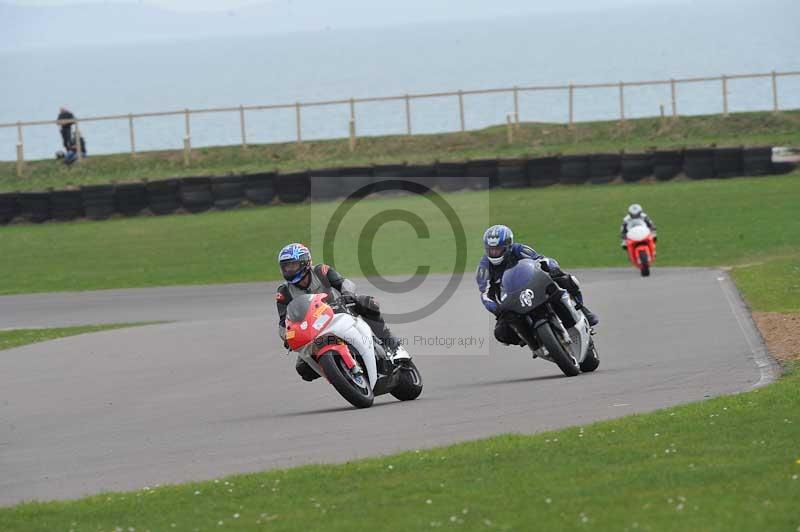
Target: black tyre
pixel 410 385
pixel 356 391
pixel 592 360
pixel 563 359
pixel 645 264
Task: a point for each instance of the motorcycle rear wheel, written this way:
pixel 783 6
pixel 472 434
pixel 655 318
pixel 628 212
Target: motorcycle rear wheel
pixel 409 386
pixel 339 376
pixel 563 359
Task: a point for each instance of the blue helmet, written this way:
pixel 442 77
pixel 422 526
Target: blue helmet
pixel 295 262
pixel 497 241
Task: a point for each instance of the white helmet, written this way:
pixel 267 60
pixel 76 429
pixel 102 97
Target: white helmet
pixel 635 210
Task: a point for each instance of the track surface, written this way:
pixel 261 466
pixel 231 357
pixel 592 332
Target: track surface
pixel 213 393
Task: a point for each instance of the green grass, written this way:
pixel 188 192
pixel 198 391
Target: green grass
pixel 760 128
pixel 714 222
pixel 19 337
pixel 726 464
pixel 772 285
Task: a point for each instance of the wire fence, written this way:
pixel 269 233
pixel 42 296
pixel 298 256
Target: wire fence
pixel 351 105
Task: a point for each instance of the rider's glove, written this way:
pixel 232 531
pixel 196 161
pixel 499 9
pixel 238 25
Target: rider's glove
pixel 348 299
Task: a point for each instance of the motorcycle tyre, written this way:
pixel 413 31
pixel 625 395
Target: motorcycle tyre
pixel 334 374
pixel 409 386
pixel 568 365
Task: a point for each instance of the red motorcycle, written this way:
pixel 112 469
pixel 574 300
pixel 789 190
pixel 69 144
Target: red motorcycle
pixel 641 246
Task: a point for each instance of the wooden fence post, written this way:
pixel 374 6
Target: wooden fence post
pixel 621 102
pixel 461 108
pixel 20 151
pixel 187 139
pixel 243 127
pixel 78 150
pixel 571 105
pixel 297 122
pixel 352 135
pixel 672 91
pixel 509 129
pixel 774 92
pixel 408 115
pixel 132 135
pixel 724 95
pixel 516 106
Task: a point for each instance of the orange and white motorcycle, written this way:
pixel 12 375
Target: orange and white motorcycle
pixel 339 345
pixel 641 245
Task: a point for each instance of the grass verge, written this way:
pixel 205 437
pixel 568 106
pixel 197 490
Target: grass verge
pixel 531 138
pixel 729 463
pixel 715 222
pixel 19 337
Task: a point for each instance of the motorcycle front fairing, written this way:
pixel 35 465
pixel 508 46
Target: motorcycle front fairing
pixel 525 287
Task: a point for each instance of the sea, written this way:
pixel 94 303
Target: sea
pixel 591 46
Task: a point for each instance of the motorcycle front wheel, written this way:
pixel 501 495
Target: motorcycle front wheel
pixel 354 388
pixel 563 359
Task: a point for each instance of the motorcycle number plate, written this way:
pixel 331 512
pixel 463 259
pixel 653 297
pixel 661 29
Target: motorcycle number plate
pixel 320 322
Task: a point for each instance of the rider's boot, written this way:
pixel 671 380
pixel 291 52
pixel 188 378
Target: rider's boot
pixel 305 371
pixel 591 317
pixel 395 350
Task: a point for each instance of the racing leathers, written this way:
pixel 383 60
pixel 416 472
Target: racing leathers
pixel 626 222
pixel 324 279
pixel 489 278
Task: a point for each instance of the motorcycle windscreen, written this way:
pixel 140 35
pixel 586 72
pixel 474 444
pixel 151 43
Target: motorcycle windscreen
pixel 518 277
pixel 298 308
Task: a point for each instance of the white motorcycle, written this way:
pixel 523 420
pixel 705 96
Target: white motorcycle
pixel 339 345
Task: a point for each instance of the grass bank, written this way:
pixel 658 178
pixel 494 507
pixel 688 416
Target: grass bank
pixel 760 128
pixel 19 337
pixel 716 222
pixel 729 463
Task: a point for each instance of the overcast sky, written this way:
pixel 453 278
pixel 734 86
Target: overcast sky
pixel 222 5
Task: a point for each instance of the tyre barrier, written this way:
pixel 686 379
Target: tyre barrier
pixel 757 161
pixel 294 187
pixel 98 201
pixel 423 174
pixel 228 192
pixel 130 198
pixel 604 167
pixel 195 194
pixel 543 171
pixel 34 206
pixel 727 162
pixel 575 169
pixel 66 205
pixel 259 189
pixel 698 163
pixel 636 166
pixel 482 173
pixel 667 164
pixel 354 179
pixel 451 176
pixel 162 196
pixel 9 207
pixel 198 194
pixel 325 183
pixel 511 173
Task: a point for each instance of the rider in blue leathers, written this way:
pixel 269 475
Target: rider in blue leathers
pixel 502 253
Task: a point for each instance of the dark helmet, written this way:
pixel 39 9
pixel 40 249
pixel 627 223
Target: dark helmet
pixel 497 241
pixel 295 262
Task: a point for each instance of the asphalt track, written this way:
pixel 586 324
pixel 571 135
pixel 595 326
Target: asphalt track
pixel 212 393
